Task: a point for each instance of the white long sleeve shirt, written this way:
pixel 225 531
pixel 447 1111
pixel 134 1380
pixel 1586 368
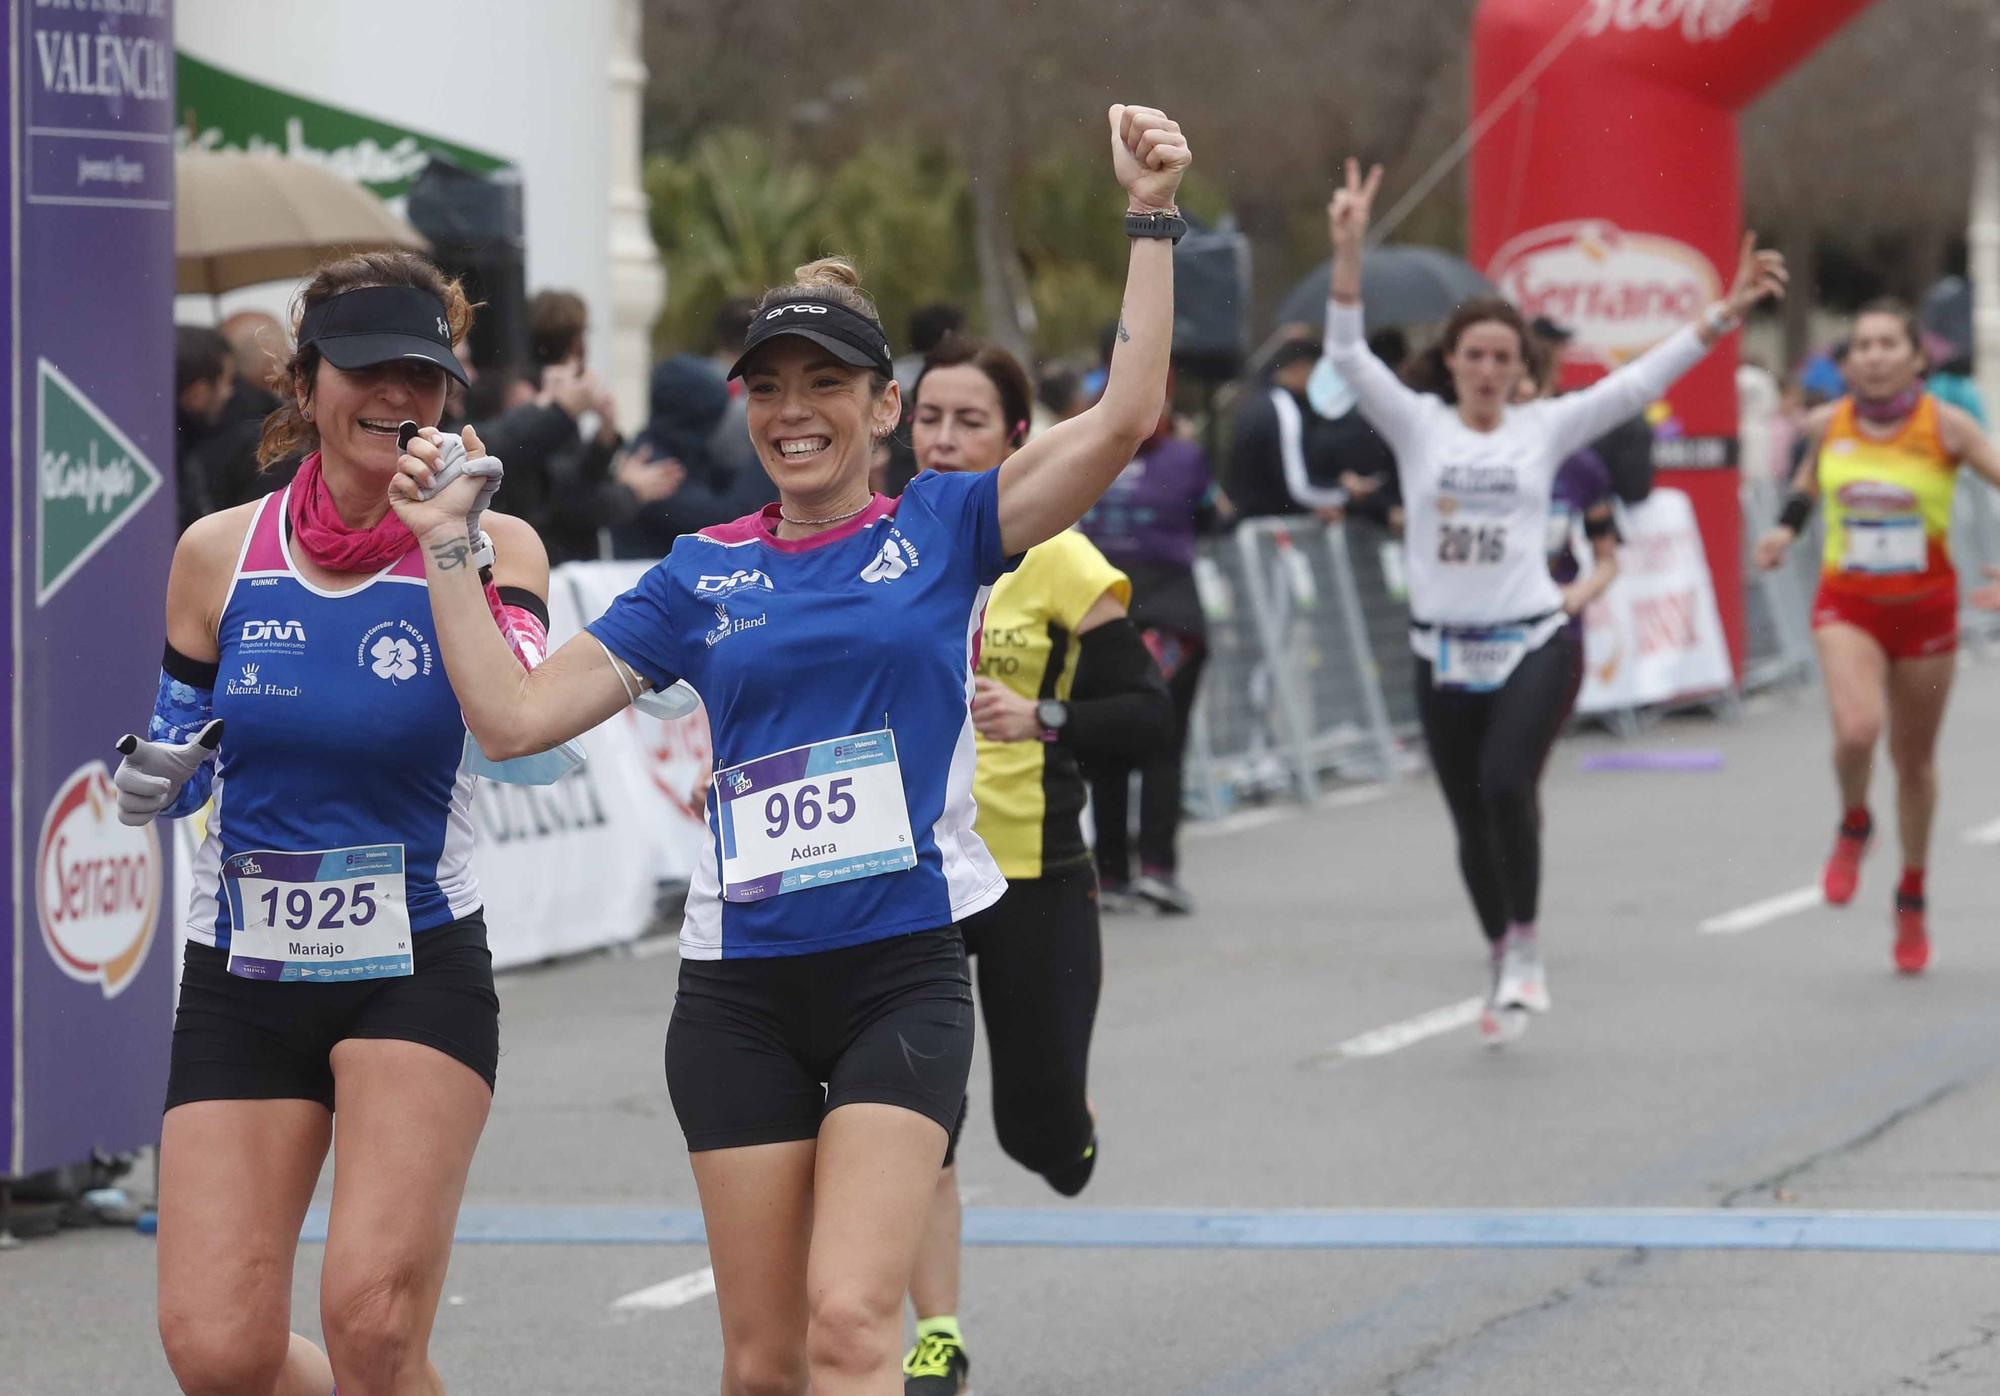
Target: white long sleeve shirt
pixel 1476 503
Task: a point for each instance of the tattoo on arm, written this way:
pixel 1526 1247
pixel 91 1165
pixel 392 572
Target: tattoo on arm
pixel 1124 335
pixel 451 554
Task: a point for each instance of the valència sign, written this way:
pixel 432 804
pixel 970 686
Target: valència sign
pixel 90 480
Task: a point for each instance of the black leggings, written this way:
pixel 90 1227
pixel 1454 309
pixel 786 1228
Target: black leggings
pixel 1040 964
pixel 1488 750
pixel 1159 776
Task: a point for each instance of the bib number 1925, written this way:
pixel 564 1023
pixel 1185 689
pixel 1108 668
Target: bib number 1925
pixel 338 906
pixel 805 810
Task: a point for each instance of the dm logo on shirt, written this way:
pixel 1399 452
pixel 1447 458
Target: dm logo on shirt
pixel 97 883
pixel 739 580
pixel 262 635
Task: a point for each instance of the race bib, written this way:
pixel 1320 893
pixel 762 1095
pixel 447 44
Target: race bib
pixel 1886 547
pixel 330 916
pixel 811 816
pixel 1478 661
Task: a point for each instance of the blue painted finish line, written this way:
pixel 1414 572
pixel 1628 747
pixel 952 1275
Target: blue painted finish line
pixel 1667 1229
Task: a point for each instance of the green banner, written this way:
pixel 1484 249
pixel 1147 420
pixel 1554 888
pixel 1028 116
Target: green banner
pixel 93 479
pixel 220 110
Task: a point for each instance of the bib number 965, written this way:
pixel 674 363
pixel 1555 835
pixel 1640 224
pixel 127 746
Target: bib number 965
pixel 338 907
pixel 805 810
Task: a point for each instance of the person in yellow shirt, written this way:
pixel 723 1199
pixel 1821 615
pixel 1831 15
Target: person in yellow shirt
pixel 1061 670
pixel 1884 462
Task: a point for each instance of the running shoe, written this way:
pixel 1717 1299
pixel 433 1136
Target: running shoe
pixel 1501 1021
pixel 936 1366
pixel 1521 981
pixel 1118 899
pixel 1166 895
pixel 1913 942
pixel 1843 865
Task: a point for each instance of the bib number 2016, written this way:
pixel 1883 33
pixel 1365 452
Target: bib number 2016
pixel 804 809
pixel 1467 544
pixel 338 907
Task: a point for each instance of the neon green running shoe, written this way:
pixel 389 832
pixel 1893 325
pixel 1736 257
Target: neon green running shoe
pixel 936 1366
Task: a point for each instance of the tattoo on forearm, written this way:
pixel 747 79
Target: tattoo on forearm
pixel 1124 335
pixel 452 554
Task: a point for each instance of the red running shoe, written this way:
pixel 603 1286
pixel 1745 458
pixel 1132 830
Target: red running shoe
pixel 1843 865
pixel 1913 942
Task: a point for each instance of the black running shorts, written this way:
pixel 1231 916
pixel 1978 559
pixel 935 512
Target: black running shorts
pixel 759 1051
pixel 252 1039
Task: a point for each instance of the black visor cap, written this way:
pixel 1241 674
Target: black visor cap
pixel 381 324
pixel 853 339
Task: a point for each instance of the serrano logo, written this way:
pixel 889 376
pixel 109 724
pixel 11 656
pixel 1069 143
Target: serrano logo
pixel 97 883
pixel 1698 20
pixel 1620 292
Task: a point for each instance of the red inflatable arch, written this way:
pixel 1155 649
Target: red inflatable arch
pixel 1606 195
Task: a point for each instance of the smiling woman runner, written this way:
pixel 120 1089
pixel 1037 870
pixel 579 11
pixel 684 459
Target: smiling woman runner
pixel 1496 655
pixel 1061 671
pixel 822 1033
pixel 336 950
pixel 1885 460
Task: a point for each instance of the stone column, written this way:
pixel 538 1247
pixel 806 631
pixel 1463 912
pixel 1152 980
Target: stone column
pixel 638 279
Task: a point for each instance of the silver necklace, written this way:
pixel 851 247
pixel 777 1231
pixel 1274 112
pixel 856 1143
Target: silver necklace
pixel 818 523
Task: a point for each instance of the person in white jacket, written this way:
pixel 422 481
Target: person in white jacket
pixel 1496 658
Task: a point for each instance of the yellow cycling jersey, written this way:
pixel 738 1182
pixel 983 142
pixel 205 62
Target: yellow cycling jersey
pixel 1031 794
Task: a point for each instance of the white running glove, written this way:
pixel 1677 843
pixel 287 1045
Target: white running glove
pixel 152 773
pixel 453 463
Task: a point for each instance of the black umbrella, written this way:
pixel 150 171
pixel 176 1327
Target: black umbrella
pixel 1399 286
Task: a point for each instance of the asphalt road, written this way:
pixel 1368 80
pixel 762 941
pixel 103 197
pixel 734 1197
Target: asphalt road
pixel 1256 1119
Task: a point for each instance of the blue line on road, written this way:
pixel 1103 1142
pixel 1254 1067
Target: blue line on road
pixel 1947 1233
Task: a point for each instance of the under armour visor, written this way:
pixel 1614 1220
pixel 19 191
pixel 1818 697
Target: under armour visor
pixel 380 324
pixel 852 338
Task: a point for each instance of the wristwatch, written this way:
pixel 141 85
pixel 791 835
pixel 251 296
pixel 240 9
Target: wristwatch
pixel 1160 223
pixel 1052 715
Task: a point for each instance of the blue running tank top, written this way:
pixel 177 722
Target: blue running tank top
pixel 793 642
pixel 340 729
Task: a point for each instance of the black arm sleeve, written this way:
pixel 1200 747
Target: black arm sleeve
pixel 1118 706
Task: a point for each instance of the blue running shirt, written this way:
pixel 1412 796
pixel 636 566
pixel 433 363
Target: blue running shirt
pixel 790 642
pixel 340 729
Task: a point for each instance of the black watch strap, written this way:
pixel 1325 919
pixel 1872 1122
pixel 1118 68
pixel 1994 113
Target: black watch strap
pixel 1158 224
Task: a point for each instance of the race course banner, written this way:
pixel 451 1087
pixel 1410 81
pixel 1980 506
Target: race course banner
pixel 85 1009
pixel 1655 634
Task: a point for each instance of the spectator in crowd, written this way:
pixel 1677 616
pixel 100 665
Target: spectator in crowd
pixel 930 326
pixel 1950 378
pixel 699 436
pixel 204 371
pixel 1145 525
pixel 228 459
pixel 1627 449
pixel 727 331
pixel 1291 455
pixel 1058 396
pixel 262 350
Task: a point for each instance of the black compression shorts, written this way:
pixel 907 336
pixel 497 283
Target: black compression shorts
pixel 759 1051
pixel 253 1039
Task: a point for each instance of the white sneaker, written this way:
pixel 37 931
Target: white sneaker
pixel 1500 1026
pixel 1520 981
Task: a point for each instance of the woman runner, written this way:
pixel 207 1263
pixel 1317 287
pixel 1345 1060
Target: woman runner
pixel 1061 670
pixel 1884 459
pixel 336 954
pixel 822 1033
pixel 1496 655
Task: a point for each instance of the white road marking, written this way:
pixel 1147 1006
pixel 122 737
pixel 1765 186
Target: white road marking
pixel 1984 833
pixel 1271 814
pixel 1397 1036
pixel 1359 795
pixel 1748 918
pixel 671 1294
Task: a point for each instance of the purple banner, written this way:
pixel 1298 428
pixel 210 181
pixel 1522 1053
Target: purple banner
pixel 89 419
